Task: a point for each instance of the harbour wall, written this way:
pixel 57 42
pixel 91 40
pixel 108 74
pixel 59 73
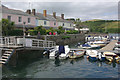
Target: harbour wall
pixel 66 38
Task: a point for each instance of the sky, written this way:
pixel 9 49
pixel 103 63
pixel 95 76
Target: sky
pixel 83 9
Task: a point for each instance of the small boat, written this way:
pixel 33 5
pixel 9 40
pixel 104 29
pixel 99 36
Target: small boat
pixel 54 53
pixel 100 43
pixel 110 56
pixel 76 54
pixel 92 54
pixel 117 44
pixel 89 46
pixel 63 51
pixel 101 56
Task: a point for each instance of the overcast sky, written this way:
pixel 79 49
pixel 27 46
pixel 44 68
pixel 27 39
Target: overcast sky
pixel 83 9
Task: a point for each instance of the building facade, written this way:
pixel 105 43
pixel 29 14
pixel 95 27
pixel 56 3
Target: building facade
pixel 31 18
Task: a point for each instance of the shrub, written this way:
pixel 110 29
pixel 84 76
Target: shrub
pixel 16 32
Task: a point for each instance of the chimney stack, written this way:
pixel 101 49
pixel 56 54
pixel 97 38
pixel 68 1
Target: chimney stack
pixel 45 13
pixel 62 16
pixel 33 11
pixel 54 14
pixel 28 11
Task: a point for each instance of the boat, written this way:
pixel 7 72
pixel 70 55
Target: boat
pixel 117 44
pixel 99 43
pixel 101 56
pixel 63 51
pixel 92 54
pixel 76 54
pixel 60 52
pixel 88 46
pixel 110 56
pixel 54 54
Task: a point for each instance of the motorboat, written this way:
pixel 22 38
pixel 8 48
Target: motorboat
pixel 92 54
pixel 101 56
pixel 117 44
pixel 110 56
pixel 100 43
pixel 63 51
pixel 88 46
pixel 60 52
pixel 76 54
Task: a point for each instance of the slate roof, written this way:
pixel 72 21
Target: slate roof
pixel 37 15
pixel 12 11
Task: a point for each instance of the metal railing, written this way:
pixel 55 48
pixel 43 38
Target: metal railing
pixel 26 42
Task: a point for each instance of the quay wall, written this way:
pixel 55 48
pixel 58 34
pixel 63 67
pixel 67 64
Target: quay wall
pixel 25 57
pixel 66 39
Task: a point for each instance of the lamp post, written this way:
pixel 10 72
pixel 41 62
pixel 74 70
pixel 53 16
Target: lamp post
pixel 24 29
pixel 24 33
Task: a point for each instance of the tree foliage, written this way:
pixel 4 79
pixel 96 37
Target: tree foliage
pixel 7 26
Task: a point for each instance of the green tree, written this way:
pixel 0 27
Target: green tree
pixel 7 26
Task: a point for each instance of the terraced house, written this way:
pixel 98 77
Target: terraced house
pixel 31 19
pixel 19 17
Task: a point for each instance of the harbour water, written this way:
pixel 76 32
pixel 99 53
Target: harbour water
pixel 43 67
pixel 70 68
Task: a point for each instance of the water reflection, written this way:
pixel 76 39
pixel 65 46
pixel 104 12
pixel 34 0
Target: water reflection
pixel 57 62
pixel 99 63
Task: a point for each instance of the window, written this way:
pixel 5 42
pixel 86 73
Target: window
pixel 63 24
pixel 9 18
pixel 19 19
pixel 45 22
pixel 28 20
pixel 54 23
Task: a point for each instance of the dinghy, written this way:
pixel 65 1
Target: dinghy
pixel 92 54
pixel 110 56
pixel 76 54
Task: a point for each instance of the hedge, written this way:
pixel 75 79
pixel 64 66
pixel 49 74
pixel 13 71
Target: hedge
pixel 16 32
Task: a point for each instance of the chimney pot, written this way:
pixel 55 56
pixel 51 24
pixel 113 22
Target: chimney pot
pixel 33 11
pixel 28 11
pixel 45 13
pixel 54 14
pixel 62 16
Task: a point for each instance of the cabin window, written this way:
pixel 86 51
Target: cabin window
pixel 9 18
pixel 54 23
pixel 28 20
pixel 45 22
pixel 19 19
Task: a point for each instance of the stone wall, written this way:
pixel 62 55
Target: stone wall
pixel 73 38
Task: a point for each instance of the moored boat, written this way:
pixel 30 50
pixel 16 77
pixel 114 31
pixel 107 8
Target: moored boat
pixel 76 54
pixel 110 56
pixel 89 46
pixel 92 54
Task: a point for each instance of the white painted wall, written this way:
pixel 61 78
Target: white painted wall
pixel 41 23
